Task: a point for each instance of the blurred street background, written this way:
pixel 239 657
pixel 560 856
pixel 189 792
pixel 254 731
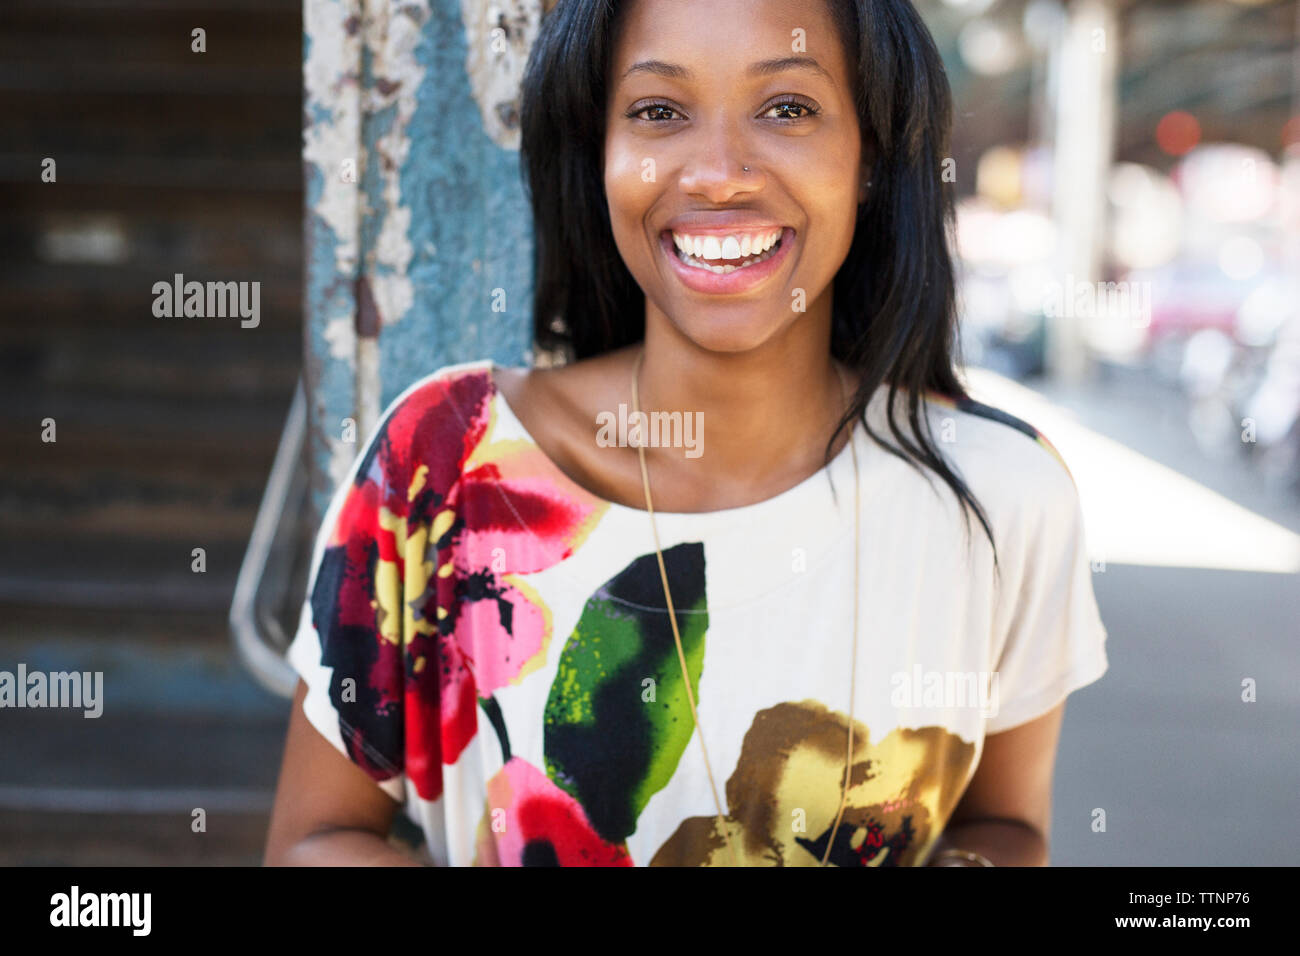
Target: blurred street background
pixel 1129 240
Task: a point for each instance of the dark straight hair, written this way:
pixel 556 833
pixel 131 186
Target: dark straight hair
pixel 894 300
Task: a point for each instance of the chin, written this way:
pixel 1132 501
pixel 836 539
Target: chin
pixel 727 336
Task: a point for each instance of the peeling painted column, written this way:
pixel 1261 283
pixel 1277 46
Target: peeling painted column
pixel 416 223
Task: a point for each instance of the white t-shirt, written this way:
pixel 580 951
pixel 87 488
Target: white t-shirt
pixel 490 642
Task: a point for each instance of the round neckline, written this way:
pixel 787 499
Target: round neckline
pixel 841 464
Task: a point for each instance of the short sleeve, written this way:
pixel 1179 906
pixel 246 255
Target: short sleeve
pixel 348 645
pixel 1055 641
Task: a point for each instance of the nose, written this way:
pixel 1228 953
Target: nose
pixel 716 170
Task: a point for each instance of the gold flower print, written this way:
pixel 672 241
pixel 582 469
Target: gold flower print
pixel 785 790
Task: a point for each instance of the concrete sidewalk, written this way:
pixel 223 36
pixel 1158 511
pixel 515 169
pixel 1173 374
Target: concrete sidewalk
pixel 1186 772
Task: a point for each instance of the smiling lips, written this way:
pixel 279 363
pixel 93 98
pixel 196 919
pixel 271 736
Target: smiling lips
pixel 726 262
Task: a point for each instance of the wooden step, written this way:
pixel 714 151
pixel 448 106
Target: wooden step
pixel 180 362
pixel 182 726
pixel 121 296
pixel 173 502
pixel 196 79
pixel 159 172
pixel 124 427
pixel 172 162
pixel 130 486
pixel 81 838
pixel 98 571
pixel 246 229
pixel 207 205
pixel 152 658
pixel 165 122
pixel 251 249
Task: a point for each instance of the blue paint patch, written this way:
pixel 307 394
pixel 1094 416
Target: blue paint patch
pixel 467 201
pixel 319 114
pixel 330 380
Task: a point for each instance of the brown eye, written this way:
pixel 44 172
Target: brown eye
pixel 806 109
pixel 656 109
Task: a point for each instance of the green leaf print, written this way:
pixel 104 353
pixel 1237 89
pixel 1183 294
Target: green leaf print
pixel 617 719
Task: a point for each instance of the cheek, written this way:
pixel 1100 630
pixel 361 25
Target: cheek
pixel 838 179
pixel 835 195
pixel 629 200
pixel 623 187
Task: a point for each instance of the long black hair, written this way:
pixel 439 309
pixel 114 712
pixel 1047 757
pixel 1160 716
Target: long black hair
pixel 894 300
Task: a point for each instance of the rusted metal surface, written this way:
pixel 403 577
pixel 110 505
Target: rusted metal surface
pixel 417 230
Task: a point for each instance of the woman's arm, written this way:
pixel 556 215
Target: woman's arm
pixel 327 811
pixel 1006 813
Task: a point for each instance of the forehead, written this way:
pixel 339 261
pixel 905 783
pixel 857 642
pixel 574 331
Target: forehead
pixel 712 37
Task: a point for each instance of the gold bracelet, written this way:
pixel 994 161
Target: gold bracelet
pixel 972 858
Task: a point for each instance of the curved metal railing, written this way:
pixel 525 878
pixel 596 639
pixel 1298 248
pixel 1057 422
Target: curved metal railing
pixel 263 580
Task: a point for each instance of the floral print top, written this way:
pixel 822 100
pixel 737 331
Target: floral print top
pixel 490 642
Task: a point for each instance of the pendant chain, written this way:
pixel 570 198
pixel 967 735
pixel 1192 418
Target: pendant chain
pixel 681 655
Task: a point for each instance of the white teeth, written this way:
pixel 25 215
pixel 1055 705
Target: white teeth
pixel 697 263
pixel 735 246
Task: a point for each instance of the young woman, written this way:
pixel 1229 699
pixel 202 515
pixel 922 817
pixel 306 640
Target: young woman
pixel 748 628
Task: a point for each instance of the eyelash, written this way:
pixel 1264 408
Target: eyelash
pixel 810 110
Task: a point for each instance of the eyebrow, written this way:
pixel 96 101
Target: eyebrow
pixel 762 68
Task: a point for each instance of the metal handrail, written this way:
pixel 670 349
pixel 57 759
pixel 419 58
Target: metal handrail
pixel 259 639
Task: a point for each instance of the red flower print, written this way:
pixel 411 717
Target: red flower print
pixel 529 821
pixel 418 596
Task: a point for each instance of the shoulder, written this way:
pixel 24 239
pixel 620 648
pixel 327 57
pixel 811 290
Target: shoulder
pixel 428 430
pixel 443 387
pixel 1010 465
pixel 993 430
pixel 573 389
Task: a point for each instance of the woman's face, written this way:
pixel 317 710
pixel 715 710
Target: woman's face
pixel 698 91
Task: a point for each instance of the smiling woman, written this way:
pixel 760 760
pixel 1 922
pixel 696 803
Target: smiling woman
pixel 550 647
pixel 741 149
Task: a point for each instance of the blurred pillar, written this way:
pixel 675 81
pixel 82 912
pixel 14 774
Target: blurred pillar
pixel 418 234
pixel 1083 69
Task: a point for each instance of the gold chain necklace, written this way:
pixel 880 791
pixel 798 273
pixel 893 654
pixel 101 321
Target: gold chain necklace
pixel 681 655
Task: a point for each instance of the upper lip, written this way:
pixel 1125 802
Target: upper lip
pixel 720 224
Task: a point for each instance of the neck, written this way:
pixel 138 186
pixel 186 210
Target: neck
pixel 766 413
